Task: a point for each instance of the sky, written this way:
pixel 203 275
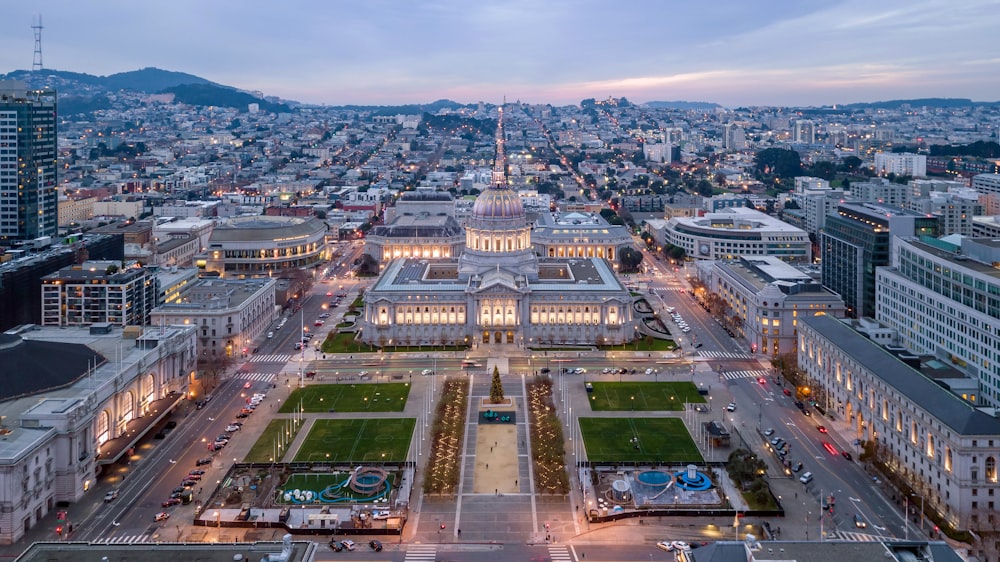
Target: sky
pixel 383 52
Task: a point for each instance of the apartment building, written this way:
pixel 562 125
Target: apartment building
pixel 98 292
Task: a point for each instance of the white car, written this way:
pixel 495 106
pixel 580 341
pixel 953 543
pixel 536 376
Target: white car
pixel 769 431
pixel 348 544
pixel 731 407
pixel 161 516
pixel 427 372
pixel 671 546
pixel 232 428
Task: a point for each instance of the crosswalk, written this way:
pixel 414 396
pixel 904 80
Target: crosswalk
pixel 124 539
pixel 668 289
pixel 254 377
pixel 559 553
pixel 421 553
pixel 853 536
pixel 735 375
pixel 273 358
pixel 724 355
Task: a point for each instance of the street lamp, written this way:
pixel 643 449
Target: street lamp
pixel 633 403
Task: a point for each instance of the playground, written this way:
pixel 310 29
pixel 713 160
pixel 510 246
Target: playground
pixel 361 485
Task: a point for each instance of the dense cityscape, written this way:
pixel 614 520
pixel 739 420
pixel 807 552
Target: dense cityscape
pixel 238 327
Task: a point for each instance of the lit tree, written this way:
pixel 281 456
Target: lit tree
pixel 496 388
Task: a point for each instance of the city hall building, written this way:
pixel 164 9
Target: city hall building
pixel 498 291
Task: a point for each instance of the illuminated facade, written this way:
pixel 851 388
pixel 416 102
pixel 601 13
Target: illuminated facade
pixel 261 246
pixel 498 291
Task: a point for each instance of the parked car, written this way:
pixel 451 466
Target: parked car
pixel 194 477
pixel 847 455
pixel 336 546
pixel 170 502
pixel 197 472
pixel 375 545
pixel 348 544
pixel 769 431
pixel 796 467
pixel 203 461
pixel 232 427
pixel 161 516
pixel 110 496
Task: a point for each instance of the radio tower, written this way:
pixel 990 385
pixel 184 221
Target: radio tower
pixel 36 24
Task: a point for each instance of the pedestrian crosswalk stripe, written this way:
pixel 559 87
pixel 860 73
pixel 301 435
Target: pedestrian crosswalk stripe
pixel 724 355
pixel 124 539
pixel 734 375
pixel 273 358
pixel 256 377
pixel 421 553
pixel 559 553
pixel 857 537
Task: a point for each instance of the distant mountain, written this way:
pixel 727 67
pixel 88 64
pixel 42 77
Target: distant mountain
pixel 85 93
pixel 940 103
pixel 220 96
pixel 684 105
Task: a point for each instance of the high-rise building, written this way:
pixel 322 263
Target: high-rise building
pixel 28 198
pixel 734 138
pixel 856 240
pixel 804 131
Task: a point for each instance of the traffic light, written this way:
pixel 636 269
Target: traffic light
pixel 59 530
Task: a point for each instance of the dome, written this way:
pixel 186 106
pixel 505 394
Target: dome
pixel 498 204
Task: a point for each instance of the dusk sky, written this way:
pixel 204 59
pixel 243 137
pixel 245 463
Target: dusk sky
pixel 733 52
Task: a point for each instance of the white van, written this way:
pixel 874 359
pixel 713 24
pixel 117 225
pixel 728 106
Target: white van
pixel 806 477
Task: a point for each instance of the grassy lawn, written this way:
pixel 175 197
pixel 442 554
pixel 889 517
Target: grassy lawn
pixel 642 344
pixel 263 450
pixel 343 342
pixel 387 397
pixel 662 440
pixel 360 441
pixel 649 396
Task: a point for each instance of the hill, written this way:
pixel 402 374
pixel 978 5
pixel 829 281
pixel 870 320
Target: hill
pixel 940 103
pixel 220 96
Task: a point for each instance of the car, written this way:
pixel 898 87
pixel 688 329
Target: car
pixel 797 467
pixel 329 293
pixel 270 335
pixel 161 516
pixel 362 373
pixel 821 428
pixel 427 372
pixel 375 545
pixel 777 440
pixel 649 371
pixel 769 431
pixel 310 374
pixel 786 392
pixel 806 477
pixel 325 315
pixel 197 472
pixel 846 455
pixel 170 502
pixel 203 461
pixel 859 522
pixel 761 380
pixel 348 544
pixel 671 546
pixel 110 496
pixel 800 405
pixel 336 546
pixel 806 413
pixel 665 545
pixel 318 322
pixel 685 329
pixel 731 407
pixel 194 477
pixel 178 490
pixel 298 345
pixel 189 483
pixel 829 448
pixel 545 370
pixel 243 414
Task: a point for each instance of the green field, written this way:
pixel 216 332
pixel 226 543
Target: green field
pixel 358 440
pixel 266 446
pixel 387 397
pixel 661 440
pixel 643 396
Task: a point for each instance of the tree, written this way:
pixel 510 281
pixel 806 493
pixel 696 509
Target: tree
pixel 778 162
pixel 629 258
pixel 496 387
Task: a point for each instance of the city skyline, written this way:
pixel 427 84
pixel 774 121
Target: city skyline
pixel 807 53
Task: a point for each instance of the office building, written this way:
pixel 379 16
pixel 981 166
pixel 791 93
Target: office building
pixel 944 300
pixel 28 168
pixel 856 241
pixel 938 445
pixel 737 231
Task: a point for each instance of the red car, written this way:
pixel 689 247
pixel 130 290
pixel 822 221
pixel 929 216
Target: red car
pixel 821 428
pixel 171 502
pixel 786 391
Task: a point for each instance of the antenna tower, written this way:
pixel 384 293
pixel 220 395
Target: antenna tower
pixel 36 24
